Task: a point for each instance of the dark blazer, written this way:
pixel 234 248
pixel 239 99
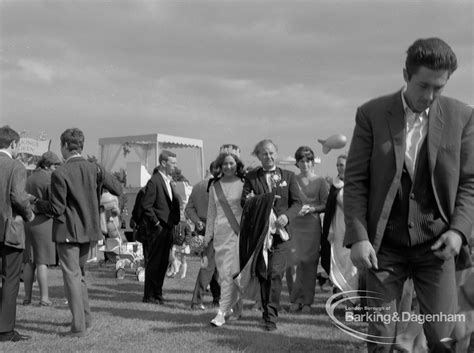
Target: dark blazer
pixel 376 157
pixel 289 202
pixel 157 205
pixel 14 200
pixel 73 201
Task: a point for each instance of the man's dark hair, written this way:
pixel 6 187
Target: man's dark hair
pixel 7 136
pixel 432 53
pixel 164 155
pixel 74 138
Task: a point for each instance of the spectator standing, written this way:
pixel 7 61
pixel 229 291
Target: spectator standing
pixel 39 232
pixel 14 210
pixel 74 204
pixel 160 213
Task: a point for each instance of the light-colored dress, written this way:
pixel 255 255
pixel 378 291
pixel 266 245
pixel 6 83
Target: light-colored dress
pixel 306 240
pixel 343 272
pixel 226 242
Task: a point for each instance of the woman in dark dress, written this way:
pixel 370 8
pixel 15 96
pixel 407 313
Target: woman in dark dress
pixel 39 232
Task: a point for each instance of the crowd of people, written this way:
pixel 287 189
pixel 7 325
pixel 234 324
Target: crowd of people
pixel 400 209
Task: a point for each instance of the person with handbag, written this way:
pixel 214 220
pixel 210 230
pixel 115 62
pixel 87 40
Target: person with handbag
pixel 223 227
pixel 15 209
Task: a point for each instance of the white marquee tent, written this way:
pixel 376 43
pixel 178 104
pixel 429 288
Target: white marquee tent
pixel 117 152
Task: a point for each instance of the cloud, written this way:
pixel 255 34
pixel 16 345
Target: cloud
pixel 36 70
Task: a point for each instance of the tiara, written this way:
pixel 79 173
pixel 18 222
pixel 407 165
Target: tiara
pixel 230 148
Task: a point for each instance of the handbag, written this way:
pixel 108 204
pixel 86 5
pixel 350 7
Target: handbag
pixel 15 232
pixel 179 234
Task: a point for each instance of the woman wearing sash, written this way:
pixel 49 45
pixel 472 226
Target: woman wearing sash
pixel 306 230
pixel 223 219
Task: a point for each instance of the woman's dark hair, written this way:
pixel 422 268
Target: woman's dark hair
pixel 304 152
pixel 220 161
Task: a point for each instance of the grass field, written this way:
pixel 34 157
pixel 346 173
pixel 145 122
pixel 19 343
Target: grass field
pixel 122 323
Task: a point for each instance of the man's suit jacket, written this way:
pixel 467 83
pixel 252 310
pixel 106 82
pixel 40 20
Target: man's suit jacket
pixel 376 157
pixel 289 202
pixel 157 205
pixel 14 200
pixel 74 203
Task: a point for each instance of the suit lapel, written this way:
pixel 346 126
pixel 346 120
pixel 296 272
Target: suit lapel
pixel 165 190
pixel 396 123
pixel 435 131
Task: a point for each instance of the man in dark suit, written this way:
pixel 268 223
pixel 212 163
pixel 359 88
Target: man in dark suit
pixel 161 212
pixel 14 210
pixel 408 194
pixel 271 262
pixel 74 204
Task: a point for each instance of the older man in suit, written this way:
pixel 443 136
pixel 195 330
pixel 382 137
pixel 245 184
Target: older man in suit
pixel 14 210
pixel 409 198
pixel 74 204
pixel 160 213
pixel 266 179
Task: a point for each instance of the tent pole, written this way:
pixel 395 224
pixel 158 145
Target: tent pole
pixel 202 163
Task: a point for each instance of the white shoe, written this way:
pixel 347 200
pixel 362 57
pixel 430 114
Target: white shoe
pixel 219 320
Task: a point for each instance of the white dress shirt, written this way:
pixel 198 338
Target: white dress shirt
pixel 167 180
pixel 416 129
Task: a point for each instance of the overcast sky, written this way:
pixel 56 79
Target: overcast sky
pixel 221 71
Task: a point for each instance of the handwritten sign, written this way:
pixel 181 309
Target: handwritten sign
pixel 33 147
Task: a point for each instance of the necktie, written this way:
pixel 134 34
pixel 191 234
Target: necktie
pixel 268 176
pixel 414 137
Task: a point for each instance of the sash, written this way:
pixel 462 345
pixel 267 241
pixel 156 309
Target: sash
pixel 226 208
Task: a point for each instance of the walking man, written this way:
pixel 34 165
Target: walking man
pixel 196 211
pixel 409 193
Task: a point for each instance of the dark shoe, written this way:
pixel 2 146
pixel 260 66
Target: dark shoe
pixel 72 334
pixel 270 326
pixel 13 336
pixel 306 309
pixel 160 299
pixel 27 302
pixel 152 301
pixel 198 307
pixel 215 303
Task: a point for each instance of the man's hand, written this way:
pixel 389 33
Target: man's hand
pixel 250 195
pixel 363 255
pixel 206 240
pixel 281 221
pixel 448 245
